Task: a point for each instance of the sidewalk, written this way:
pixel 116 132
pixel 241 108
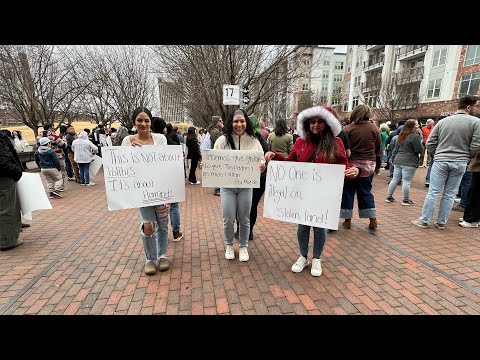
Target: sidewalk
pixel 80 258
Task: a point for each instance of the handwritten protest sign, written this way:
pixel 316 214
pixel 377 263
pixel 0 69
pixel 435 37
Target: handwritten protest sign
pixel 95 165
pixel 143 176
pixel 231 169
pixel 31 194
pixel 304 193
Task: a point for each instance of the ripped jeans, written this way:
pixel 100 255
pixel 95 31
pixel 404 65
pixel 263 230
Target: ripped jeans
pixel 154 244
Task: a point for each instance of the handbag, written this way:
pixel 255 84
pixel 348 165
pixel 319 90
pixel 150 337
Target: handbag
pixel 367 167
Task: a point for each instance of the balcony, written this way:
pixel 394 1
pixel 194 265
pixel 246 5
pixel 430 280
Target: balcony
pixel 371 86
pixel 409 76
pixel 373 63
pixel 408 52
pixel 408 104
pixel 373 47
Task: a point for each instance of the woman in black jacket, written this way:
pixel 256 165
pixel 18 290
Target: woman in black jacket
pixel 193 154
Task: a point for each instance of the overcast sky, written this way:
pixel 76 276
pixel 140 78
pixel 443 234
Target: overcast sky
pixel 340 48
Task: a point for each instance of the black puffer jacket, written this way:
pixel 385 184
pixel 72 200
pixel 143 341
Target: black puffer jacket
pixel 10 165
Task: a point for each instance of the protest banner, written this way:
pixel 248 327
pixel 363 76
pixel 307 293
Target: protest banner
pixel 31 194
pixel 231 169
pixel 143 176
pixel 304 193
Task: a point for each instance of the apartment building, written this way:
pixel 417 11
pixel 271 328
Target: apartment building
pixel 171 105
pixel 319 77
pixel 420 81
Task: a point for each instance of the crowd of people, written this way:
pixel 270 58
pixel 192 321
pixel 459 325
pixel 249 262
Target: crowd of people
pixel 450 148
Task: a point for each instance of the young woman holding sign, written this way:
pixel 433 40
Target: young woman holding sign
pixel 236 202
pixel 317 129
pixel 154 229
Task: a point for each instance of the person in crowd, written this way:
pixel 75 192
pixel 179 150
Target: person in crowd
pixel 201 136
pixel 366 153
pixel 159 127
pixel 452 142
pixel 111 135
pixel 384 135
pixel 280 140
pixel 71 135
pixel 193 154
pixel 84 150
pixel 170 134
pixel 265 132
pixel 58 145
pixel 154 219
pixel 215 131
pixel 471 215
pixel 21 144
pixel 426 130
pixel 179 136
pixel 237 202
pixel 120 135
pixel 318 143
pixel 409 147
pixel 68 165
pixel 10 215
pixel 49 165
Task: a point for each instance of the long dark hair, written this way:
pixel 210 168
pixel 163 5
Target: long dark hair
pixel 408 128
pixel 229 127
pixel 191 134
pixel 280 128
pixel 326 144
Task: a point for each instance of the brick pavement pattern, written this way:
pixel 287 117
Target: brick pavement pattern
pixel 80 258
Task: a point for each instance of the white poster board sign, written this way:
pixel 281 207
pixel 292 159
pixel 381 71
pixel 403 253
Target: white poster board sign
pixel 304 193
pixel 95 165
pixel 231 94
pixel 231 168
pixel 143 176
pixel 31 194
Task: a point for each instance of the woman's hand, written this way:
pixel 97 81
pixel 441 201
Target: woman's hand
pixel 269 156
pixel 352 172
pixel 263 166
pixel 134 143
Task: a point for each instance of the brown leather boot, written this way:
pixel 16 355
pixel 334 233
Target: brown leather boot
pixel 373 223
pixel 347 224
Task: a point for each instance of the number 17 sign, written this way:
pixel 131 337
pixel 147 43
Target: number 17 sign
pixel 231 95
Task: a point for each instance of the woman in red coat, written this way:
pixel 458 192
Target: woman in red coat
pixel 318 129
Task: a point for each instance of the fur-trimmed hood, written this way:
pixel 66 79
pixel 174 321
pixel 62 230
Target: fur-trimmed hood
pixel 321 112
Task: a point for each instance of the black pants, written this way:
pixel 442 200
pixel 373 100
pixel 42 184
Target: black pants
pixel 256 196
pixel 472 210
pixel 193 167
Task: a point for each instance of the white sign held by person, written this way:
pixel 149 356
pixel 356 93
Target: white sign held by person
pixel 231 95
pixel 143 176
pixel 231 168
pixel 31 194
pixel 304 193
pixel 95 165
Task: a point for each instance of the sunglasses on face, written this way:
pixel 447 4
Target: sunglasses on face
pixel 315 121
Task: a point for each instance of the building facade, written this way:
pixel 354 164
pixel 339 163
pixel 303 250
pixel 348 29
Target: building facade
pixel 419 81
pixel 171 105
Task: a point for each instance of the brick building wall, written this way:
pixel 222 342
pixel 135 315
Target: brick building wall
pixel 464 70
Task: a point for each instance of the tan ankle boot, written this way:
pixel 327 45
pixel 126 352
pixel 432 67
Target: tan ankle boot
pixel 347 224
pixel 373 223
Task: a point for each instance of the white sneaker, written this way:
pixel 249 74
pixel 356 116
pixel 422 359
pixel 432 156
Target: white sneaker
pixel 192 183
pixel 457 199
pixel 90 184
pixel 229 253
pixel 243 255
pixel 316 267
pixel 468 225
pixel 300 264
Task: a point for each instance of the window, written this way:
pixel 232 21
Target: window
pixel 347 86
pixel 355 101
pixel 469 84
pixel 305 87
pixel 323 99
pixel 326 62
pixel 306 62
pixel 349 66
pixel 324 86
pixel 345 107
pixel 325 74
pixel 357 64
pixel 473 55
pixel 439 57
pixel 338 65
pixel 356 81
pixel 335 100
pixel 434 88
pixel 337 77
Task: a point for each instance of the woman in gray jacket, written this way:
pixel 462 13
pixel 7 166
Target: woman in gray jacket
pixel 407 149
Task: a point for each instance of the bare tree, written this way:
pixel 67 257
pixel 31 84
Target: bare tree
pixel 39 83
pixel 305 100
pixel 199 71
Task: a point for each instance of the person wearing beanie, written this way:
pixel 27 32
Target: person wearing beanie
pixel 237 202
pixel 49 165
pixel 318 143
pixel 215 131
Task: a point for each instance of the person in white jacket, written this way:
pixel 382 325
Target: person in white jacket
pixel 84 150
pixel 236 202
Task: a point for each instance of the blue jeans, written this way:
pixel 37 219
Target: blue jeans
pixel 429 170
pixel 464 186
pixel 404 173
pixel 84 169
pixel 175 216
pixel 155 245
pixel 236 204
pixel 319 240
pixel 366 202
pixel 446 175
pixel 68 167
